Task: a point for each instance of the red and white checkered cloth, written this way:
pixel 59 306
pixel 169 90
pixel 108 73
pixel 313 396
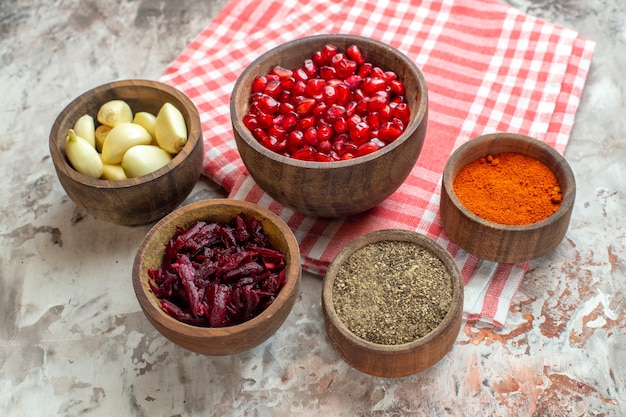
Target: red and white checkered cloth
pixel 488 67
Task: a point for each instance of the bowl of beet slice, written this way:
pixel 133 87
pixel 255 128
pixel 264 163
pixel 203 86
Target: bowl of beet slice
pixel 330 125
pixel 218 277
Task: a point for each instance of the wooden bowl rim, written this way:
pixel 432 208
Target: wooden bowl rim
pixel 194 134
pixel 568 189
pixel 399 235
pixel 415 123
pixel 293 272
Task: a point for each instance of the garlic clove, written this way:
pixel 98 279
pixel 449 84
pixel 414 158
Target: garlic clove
pixel 83 157
pixel 144 159
pixel 121 138
pixel 147 121
pixel 85 128
pixel 114 112
pixel 101 134
pixel 170 129
pixel 113 172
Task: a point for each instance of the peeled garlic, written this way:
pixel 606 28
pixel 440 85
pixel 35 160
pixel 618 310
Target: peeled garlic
pixel 85 128
pixel 83 157
pixel 113 172
pixel 170 129
pixel 147 120
pixel 101 134
pixel 121 138
pixel 114 112
pixel 144 159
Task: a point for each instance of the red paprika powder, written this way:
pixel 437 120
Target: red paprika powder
pixel 509 188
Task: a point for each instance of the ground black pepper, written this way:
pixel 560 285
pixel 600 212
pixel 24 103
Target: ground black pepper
pixel 392 292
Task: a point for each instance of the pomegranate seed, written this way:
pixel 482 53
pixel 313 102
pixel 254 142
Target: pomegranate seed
pixel 286 107
pixel 282 72
pixel 350 108
pixel 318 59
pixel 353 120
pixel 343 94
pixel 295 139
pixel 328 51
pixel 310 68
pixel 277 131
pixel 385 113
pixel 376 103
pixel 373 120
pixel 370 85
pixel 377 72
pixel 353 81
pixel 305 154
pixel 335 112
pixel 402 112
pixel 336 106
pixel 305 123
pixel 327 73
pixel 366 148
pixel 389 132
pixel 365 70
pixel 310 136
pixel 258 83
pixel 314 87
pixel 340 125
pixel 267 104
pixel 329 94
pixel 345 68
pixel 273 88
pixel 325 147
pixel 289 121
pixel 390 76
pixel 355 54
pixel 305 106
pixel 249 120
pixel 299 88
pixel 397 87
pixel 324 133
pixel 299 74
pixel 265 120
pixel 362 106
pixel 319 110
pixel 360 133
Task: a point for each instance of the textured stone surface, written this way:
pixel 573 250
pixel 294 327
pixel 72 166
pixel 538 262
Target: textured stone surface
pixel 74 342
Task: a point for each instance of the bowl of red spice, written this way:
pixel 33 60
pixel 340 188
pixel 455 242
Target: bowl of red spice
pixel 392 303
pixel 330 125
pixel 507 197
pixel 218 277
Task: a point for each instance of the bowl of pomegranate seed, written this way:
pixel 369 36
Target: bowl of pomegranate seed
pixel 128 152
pixel 330 125
pixel 218 277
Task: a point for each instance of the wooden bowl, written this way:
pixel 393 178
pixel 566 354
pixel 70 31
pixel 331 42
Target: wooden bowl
pixel 498 242
pixel 225 340
pixel 332 189
pixel 140 200
pixel 401 359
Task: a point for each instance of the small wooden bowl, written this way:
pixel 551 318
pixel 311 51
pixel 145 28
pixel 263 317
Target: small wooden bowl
pixel 393 360
pixel 498 242
pixel 225 340
pixel 332 189
pixel 140 200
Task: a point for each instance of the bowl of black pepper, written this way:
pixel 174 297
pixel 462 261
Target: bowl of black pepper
pixel 392 303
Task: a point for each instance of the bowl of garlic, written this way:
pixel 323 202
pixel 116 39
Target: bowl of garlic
pixel 128 152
